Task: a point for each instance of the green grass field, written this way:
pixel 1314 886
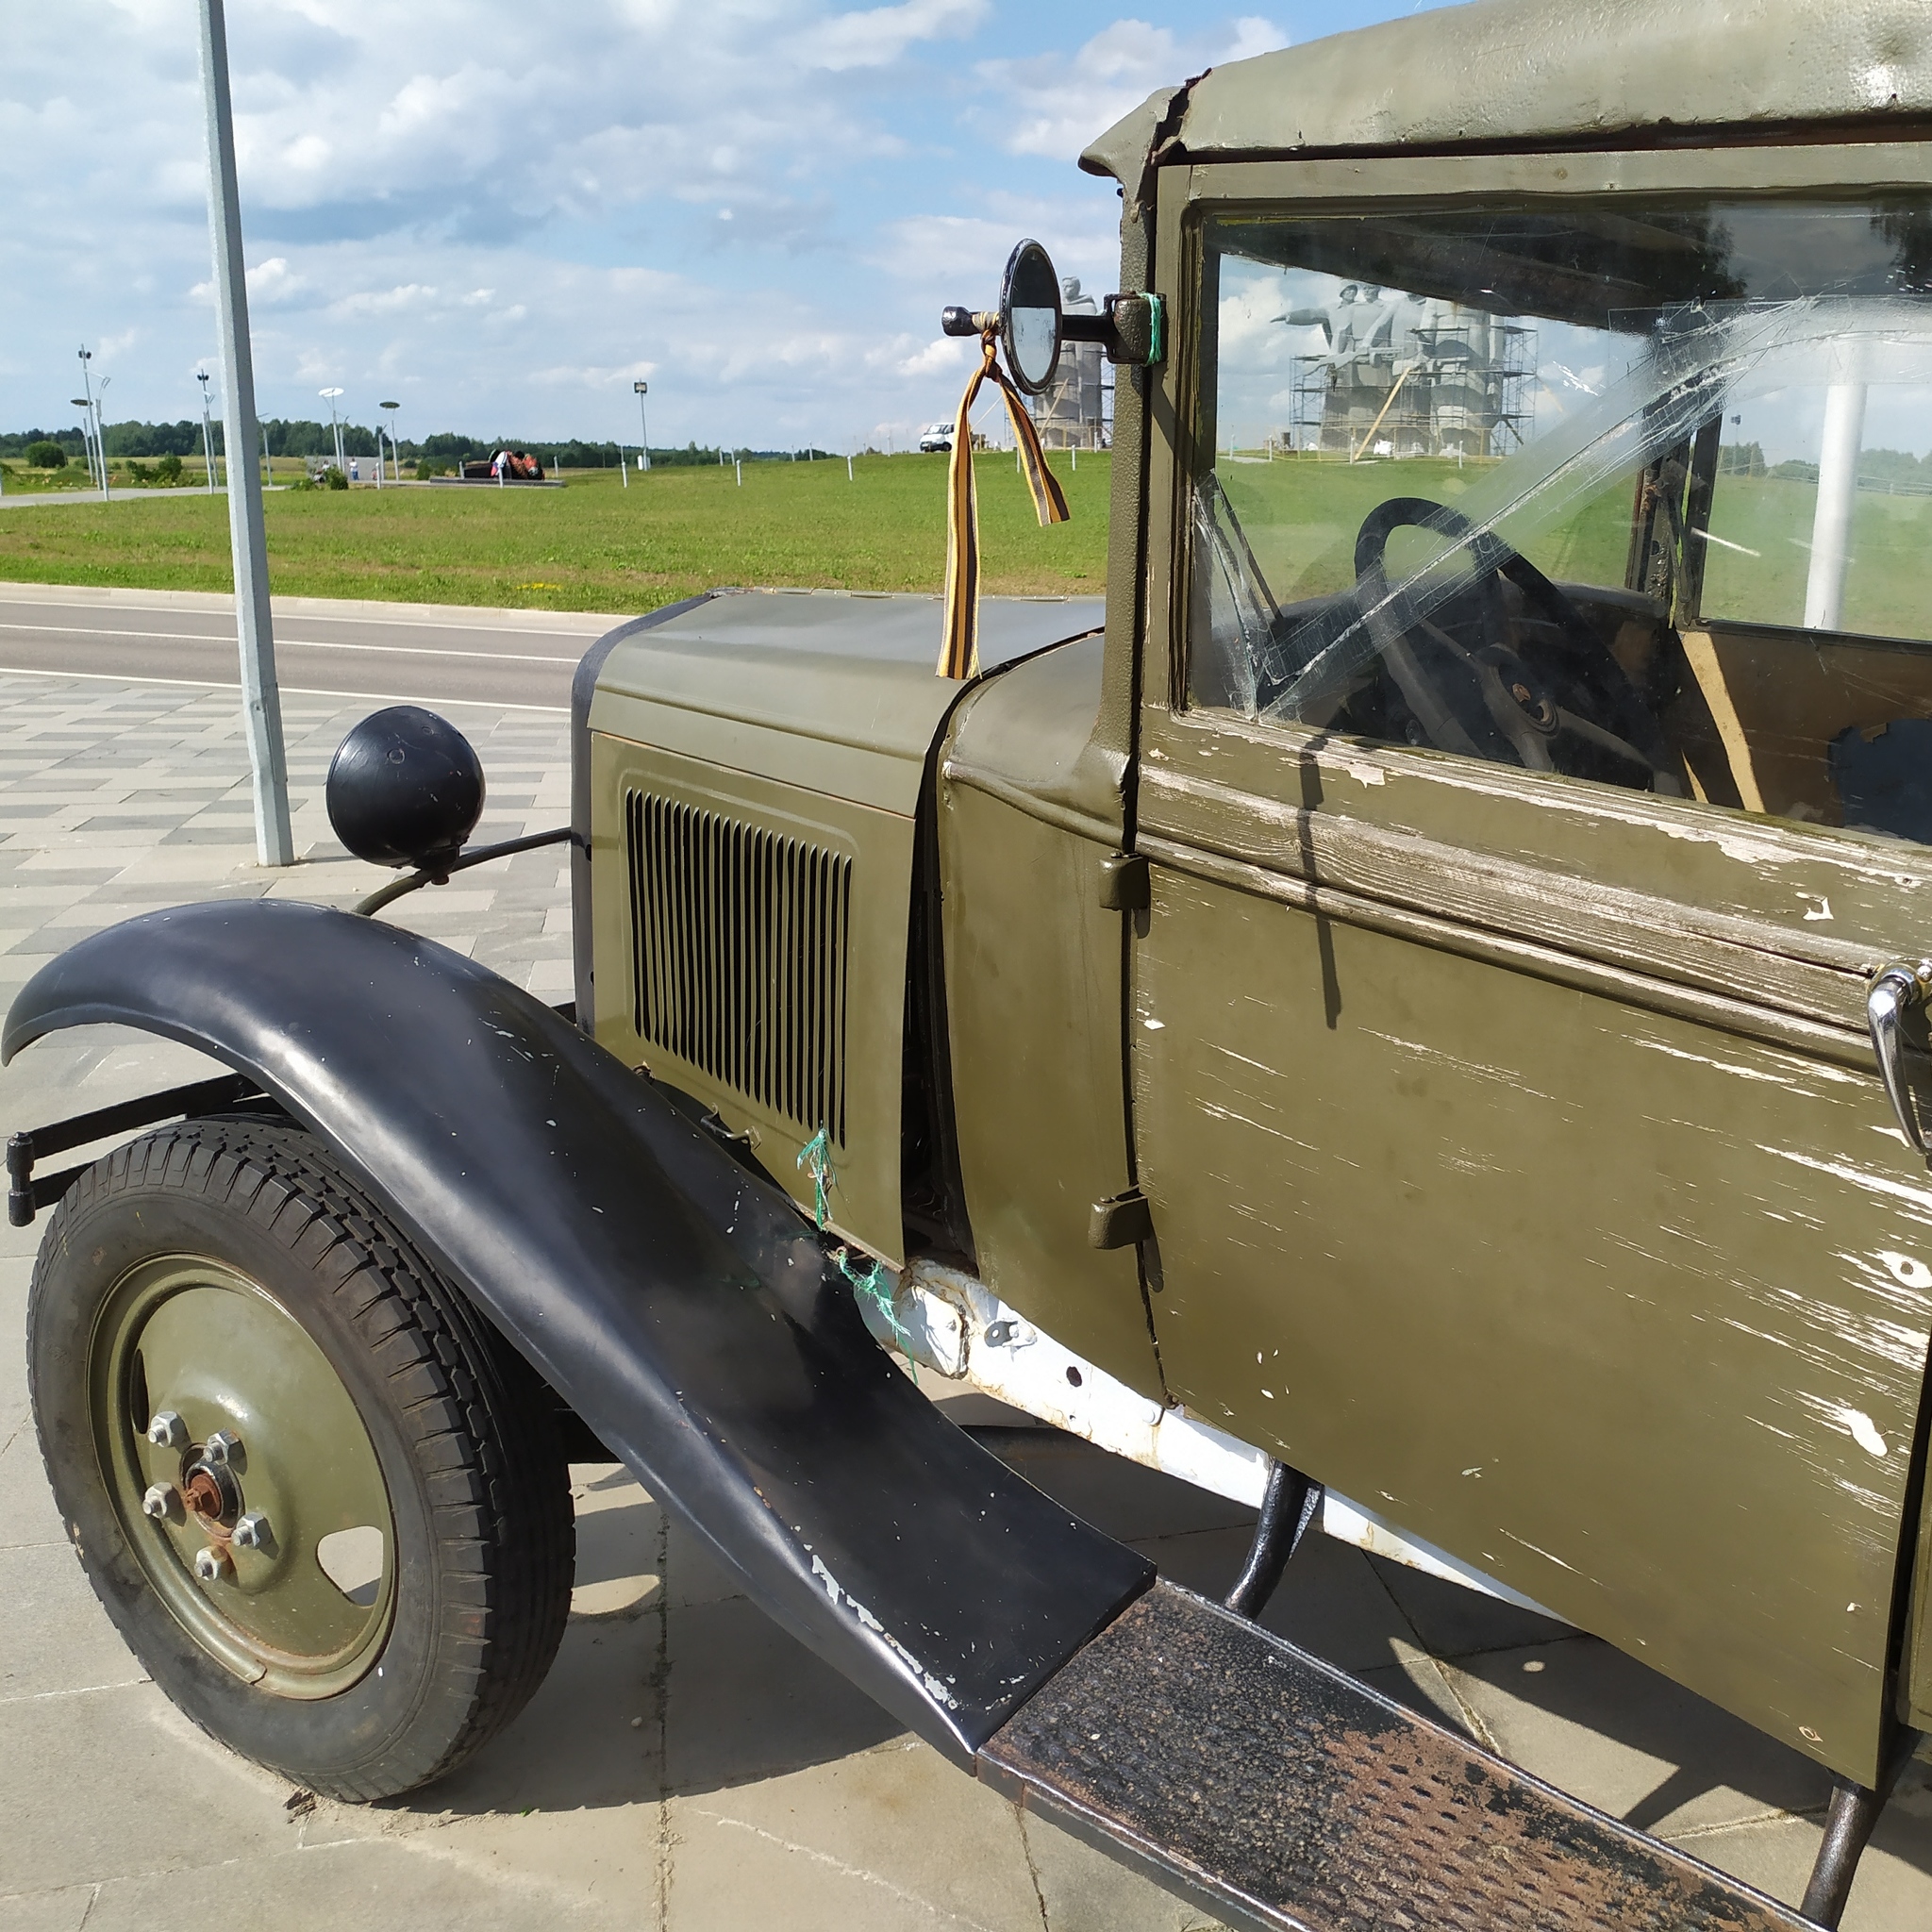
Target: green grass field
pixel 595 546
pixel 1301 520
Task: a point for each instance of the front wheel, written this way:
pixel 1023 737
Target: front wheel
pixel 318 1495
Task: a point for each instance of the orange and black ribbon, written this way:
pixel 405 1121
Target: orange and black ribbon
pixel 959 653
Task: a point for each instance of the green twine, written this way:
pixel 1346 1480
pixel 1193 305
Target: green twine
pixel 867 1282
pixel 815 1157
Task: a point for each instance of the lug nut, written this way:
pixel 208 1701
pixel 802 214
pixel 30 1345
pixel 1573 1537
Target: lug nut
pixel 223 1448
pixel 163 1503
pixel 167 1430
pixel 252 1532
pixel 212 1565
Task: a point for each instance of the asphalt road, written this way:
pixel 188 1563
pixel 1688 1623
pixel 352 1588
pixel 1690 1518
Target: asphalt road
pixel 448 654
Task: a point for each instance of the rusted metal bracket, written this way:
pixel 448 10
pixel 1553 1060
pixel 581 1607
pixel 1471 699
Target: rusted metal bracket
pixel 1289 1505
pixel 1273 1792
pixel 27 1195
pixel 1120 1221
pixel 1123 882
pixel 1131 328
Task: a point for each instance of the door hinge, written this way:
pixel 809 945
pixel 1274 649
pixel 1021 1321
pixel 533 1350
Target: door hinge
pixel 1124 886
pixel 1120 1222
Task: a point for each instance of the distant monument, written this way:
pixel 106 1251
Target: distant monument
pixel 1407 376
pixel 1072 413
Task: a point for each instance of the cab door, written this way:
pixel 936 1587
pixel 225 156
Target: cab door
pixel 1501 1080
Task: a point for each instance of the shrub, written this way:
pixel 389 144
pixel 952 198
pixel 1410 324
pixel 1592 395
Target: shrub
pixel 139 472
pixel 168 470
pixel 46 455
pixel 333 478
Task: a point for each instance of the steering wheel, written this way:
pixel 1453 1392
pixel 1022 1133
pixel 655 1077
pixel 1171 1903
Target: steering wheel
pixel 1557 701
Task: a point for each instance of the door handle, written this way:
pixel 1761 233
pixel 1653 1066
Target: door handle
pixel 1895 991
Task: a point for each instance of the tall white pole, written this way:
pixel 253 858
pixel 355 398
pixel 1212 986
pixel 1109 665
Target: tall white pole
pixel 208 434
pixel 1838 493
pixel 261 696
pixel 87 422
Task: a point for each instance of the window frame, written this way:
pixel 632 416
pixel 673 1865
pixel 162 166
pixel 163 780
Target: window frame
pixel 1774 925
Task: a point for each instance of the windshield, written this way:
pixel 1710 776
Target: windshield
pixel 1559 486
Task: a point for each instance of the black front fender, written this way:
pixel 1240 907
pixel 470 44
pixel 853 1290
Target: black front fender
pixel 674 1298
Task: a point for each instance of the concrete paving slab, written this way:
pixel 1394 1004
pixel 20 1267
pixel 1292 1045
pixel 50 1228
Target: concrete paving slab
pixel 858 1838
pixel 1629 1740
pixel 65 1910
pixel 59 1642
pixel 747 1702
pixel 151 1782
pixel 424 1882
pixel 1080 1889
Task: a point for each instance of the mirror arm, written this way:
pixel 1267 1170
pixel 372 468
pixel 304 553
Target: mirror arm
pixel 1131 328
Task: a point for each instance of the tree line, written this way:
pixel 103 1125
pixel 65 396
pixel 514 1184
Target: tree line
pixel 288 437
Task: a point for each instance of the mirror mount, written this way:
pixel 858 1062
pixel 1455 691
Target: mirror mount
pixel 1130 328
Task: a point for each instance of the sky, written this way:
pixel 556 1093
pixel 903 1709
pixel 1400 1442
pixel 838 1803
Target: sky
pixel 504 215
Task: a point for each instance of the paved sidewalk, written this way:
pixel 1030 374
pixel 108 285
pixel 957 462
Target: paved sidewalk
pixel 686 1765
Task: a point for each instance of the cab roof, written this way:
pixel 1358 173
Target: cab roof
pixel 1511 72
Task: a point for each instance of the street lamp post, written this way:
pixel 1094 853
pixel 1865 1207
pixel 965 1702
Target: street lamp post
pixel 336 427
pixel 85 401
pixel 395 455
pixel 101 434
pixel 85 405
pixel 644 388
pixel 261 701
pixel 208 434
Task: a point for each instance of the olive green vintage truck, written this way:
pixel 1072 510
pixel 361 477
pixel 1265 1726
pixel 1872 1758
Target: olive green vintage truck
pixel 1411 1014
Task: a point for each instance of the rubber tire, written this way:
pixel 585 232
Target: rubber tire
pixel 484 1537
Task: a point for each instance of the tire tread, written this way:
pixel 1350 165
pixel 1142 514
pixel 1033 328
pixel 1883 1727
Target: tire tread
pixel 485 1448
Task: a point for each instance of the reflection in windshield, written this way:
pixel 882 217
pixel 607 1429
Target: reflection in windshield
pixel 1701 364
pixel 1550 488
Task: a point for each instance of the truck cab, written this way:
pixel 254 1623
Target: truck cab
pixel 1409 1012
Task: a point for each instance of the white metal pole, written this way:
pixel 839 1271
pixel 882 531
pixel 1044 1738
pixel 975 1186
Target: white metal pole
pixel 208 434
pixel 260 695
pixel 87 421
pixel 623 466
pixel 1838 490
pixel 101 436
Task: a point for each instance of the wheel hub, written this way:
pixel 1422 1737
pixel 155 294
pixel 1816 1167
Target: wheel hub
pixel 233 1452
pixel 212 1496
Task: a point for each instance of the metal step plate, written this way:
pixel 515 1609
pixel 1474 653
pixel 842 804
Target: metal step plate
pixel 1276 1791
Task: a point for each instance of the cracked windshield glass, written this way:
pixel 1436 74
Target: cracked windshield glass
pixel 1638 494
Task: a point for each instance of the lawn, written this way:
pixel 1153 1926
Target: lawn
pixel 595 545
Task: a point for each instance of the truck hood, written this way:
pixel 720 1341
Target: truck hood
pixel 832 689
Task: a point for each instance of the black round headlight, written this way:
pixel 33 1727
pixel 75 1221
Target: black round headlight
pixel 405 788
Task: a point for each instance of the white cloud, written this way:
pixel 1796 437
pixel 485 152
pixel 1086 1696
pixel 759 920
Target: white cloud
pixel 1058 103
pixel 882 34
pixel 479 204
pixel 272 280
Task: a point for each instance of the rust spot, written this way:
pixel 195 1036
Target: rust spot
pixel 1256 1775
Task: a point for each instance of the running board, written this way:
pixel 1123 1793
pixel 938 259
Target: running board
pixel 1273 1792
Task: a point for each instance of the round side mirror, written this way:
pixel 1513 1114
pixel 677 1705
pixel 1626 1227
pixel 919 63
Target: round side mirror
pixel 1031 317
pixel 405 788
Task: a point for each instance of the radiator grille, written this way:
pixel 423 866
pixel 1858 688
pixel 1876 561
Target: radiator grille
pixel 739 955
